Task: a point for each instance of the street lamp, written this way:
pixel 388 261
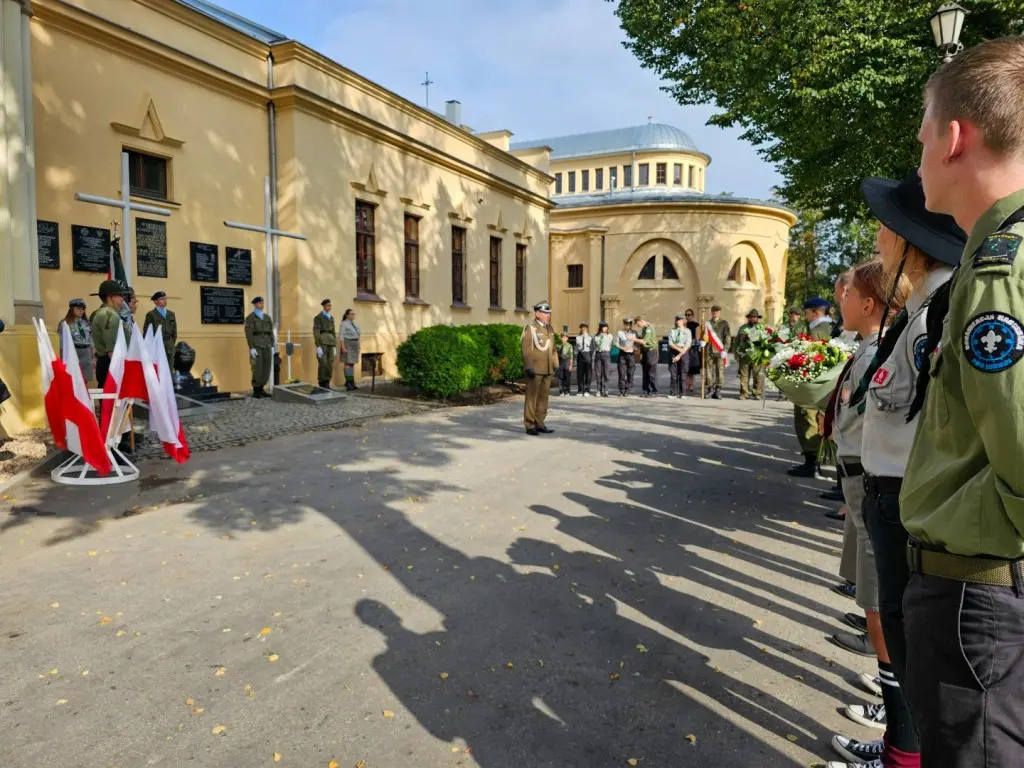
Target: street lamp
pixel 947 23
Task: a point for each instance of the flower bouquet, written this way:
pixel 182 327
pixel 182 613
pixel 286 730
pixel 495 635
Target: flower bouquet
pixel 805 370
pixel 763 344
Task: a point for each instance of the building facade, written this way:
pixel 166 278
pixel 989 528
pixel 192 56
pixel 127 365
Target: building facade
pixel 633 232
pixel 408 217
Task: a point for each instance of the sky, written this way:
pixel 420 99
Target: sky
pixel 538 68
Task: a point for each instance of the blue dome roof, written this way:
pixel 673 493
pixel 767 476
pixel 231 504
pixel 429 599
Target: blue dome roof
pixel 613 142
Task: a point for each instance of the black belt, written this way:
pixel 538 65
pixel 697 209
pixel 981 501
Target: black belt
pixel 933 560
pixel 849 468
pixel 83 346
pixel 875 485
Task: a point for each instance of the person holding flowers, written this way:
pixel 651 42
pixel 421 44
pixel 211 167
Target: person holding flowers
pixel 805 420
pixel 749 354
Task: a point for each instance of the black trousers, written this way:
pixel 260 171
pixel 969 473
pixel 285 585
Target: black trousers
pixel 583 373
pixel 102 369
pixel 564 378
pixel 965 675
pixel 889 540
pixel 649 368
pixel 677 375
pixel 602 370
pixel 627 364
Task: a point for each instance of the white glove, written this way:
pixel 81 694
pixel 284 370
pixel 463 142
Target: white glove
pixel 319 352
pixel 253 353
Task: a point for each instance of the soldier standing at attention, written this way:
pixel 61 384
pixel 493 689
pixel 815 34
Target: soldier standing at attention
pixel 259 335
pixel 793 327
pixel 648 342
pixel 694 365
pixel 565 358
pixel 106 324
pixel 540 361
pixel 603 358
pixel 325 337
pixel 805 420
pixel 679 342
pixel 584 358
pixel 625 342
pixel 161 317
pixel 715 370
pixel 962 499
pixel 751 373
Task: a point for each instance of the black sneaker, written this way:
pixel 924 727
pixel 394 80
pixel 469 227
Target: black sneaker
pixel 846 589
pixel 871 715
pixel 854 643
pixel 803 470
pixel 858 751
pixel 857 621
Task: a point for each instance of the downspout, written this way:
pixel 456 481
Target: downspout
pixel 275 289
pixel 601 298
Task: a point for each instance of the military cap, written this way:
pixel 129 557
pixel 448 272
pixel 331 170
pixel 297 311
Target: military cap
pixel 680 316
pixel 627 319
pixel 76 303
pixel 754 313
pixel 109 288
pixel 793 311
pixel 542 307
pixel 158 295
pixel 257 299
pixel 816 303
pixel 325 302
pixel 716 308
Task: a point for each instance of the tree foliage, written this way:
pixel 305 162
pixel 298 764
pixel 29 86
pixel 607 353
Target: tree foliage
pixel 821 249
pixel 828 90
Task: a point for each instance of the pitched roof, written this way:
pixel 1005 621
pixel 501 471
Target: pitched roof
pixel 233 20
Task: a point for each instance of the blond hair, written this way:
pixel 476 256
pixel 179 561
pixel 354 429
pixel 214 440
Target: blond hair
pixel 872 282
pixel 983 86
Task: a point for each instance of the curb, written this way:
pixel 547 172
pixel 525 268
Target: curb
pixel 39 467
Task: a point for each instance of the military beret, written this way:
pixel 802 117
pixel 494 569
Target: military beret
pixel 816 303
pixel 325 302
pixel 76 303
pixel 257 299
pixel 542 307
pixel 2 326
pixel 716 308
pixel 158 295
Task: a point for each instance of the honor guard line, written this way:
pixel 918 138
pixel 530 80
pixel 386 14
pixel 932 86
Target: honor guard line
pixel 269 234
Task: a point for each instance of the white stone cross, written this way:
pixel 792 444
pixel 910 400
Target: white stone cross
pixel 991 341
pixel 127 206
pixel 269 234
pixel 287 353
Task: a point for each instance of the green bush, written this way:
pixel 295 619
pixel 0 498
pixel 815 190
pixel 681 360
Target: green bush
pixel 442 361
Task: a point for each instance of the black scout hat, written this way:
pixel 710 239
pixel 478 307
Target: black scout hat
pixel 109 288
pixel 158 295
pixel 257 299
pixel 754 313
pixel 900 206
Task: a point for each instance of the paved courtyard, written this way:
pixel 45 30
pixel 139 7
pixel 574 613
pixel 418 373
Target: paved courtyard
pixel 436 590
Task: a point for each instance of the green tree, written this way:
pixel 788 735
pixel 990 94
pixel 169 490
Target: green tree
pixel 821 249
pixel 828 90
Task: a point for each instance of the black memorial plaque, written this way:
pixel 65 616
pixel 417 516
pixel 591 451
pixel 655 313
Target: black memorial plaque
pixel 239 265
pixel 222 306
pixel 48 234
pixel 151 248
pixel 90 249
pixel 205 261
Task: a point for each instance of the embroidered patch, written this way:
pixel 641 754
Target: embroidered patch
pixel 920 343
pixel 993 342
pixel 844 398
pixel 881 377
pixel 998 249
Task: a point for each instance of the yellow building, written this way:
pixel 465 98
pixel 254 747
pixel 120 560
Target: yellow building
pixel 633 232
pixel 409 218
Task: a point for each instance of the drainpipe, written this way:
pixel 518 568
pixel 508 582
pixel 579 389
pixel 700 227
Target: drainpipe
pixel 275 289
pixel 601 298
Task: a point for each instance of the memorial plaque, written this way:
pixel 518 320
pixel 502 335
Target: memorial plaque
pixel 239 265
pixel 150 248
pixel 48 234
pixel 90 249
pixel 205 262
pixel 222 306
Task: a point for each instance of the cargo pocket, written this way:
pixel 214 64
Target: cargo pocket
pixel 936 406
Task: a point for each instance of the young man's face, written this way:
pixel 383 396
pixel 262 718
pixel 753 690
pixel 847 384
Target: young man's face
pixel 794 318
pixel 810 315
pixel 939 146
pixel 715 314
pixel 161 302
pixel 117 301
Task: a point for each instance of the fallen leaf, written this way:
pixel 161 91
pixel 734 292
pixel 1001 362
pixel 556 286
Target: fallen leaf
pixel 272 658
pixel 555 567
pixel 249 690
pixel 121 633
pixel 55 605
pixel 198 710
pixel 61 701
pixel 632 761
pixel 332 764
pixel 277 757
pixel 791 737
pixel 388 713
pixel 471 693
pixel 91 553
pixel 510 665
pixel 106 620
pixel 615 676
pixel 54 671
pixel 277 613
pixel 641 648
pixel 691 738
pixel 361 764
pixel 221 671
pixel 444 675
pixel 189 703
pixel 85 673
pixel 218 729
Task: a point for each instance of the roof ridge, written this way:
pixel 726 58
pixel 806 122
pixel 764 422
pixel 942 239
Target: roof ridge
pixel 235 21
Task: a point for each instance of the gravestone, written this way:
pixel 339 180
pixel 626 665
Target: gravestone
pixel 222 306
pixel 150 248
pixel 48 235
pixel 238 265
pixel 204 262
pixel 310 394
pixel 90 249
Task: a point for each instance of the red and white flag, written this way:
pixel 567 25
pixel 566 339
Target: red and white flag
pixel 134 382
pixel 49 364
pixel 83 432
pixel 112 386
pixel 716 343
pixel 163 403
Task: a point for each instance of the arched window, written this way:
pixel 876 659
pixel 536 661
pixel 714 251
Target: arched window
pixel 734 273
pixel 668 270
pixel 647 273
pixel 751 277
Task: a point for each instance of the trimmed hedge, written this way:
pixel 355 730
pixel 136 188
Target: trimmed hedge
pixel 443 361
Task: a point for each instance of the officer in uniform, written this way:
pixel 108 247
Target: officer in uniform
pixel 106 324
pixel 962 499
pixel 603 358
pixel 805 420
pixel 715 368
pixel 325 336
pixel 259 335
pixel 751 373
pixel 648 343
pixel 163 318
pixel 584 360
pixel 625 341
pixel 540 361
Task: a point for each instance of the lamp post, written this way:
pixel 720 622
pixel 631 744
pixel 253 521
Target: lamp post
pixel 947 23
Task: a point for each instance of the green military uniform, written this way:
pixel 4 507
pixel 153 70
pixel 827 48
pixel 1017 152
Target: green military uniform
pixel 790 331
pixel 325 336
pixel 540 355
pixel 715 369
pixel 105 323
pixel 805 420
pixel 751 373
pixel 168 325
pixel 259 335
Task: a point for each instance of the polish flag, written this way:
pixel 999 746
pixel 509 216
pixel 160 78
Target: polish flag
pixel 115 375
pixel 49 364
pixel 168 427
pixel 716 342
pixel 83 433
pixel 134 383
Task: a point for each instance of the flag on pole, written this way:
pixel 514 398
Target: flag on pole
pixel 112 386
pixel 83 433
pixel 115 270
pixel 168 424
pixel 134 384
pixel 51 386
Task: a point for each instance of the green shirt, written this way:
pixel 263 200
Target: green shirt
pixel 105 325
pixel 324 333
pixel 650 341
pixel 964 488
pixel 743 342
pixel 794 329
pixel 822 331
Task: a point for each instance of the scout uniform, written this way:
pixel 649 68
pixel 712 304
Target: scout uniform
pixel 81 335
pixel 164 319
pixel 584 358
pixel 540 361
pixel 625 341
pixel 805 420
pixel 350 340
pixel 749 370
pixel 649 359
pixel 326 339
pixel 259 335
pixel 680 341
pixel 105 325
pixel 715 369
pixel 565 357
pixel 603 358
pixel 962 503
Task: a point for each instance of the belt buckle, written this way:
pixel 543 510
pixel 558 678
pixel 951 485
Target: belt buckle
pixel 914 549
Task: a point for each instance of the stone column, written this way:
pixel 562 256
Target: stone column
pixel 771 305
pixel 612 311
pixel 704 303
pixel 594 284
